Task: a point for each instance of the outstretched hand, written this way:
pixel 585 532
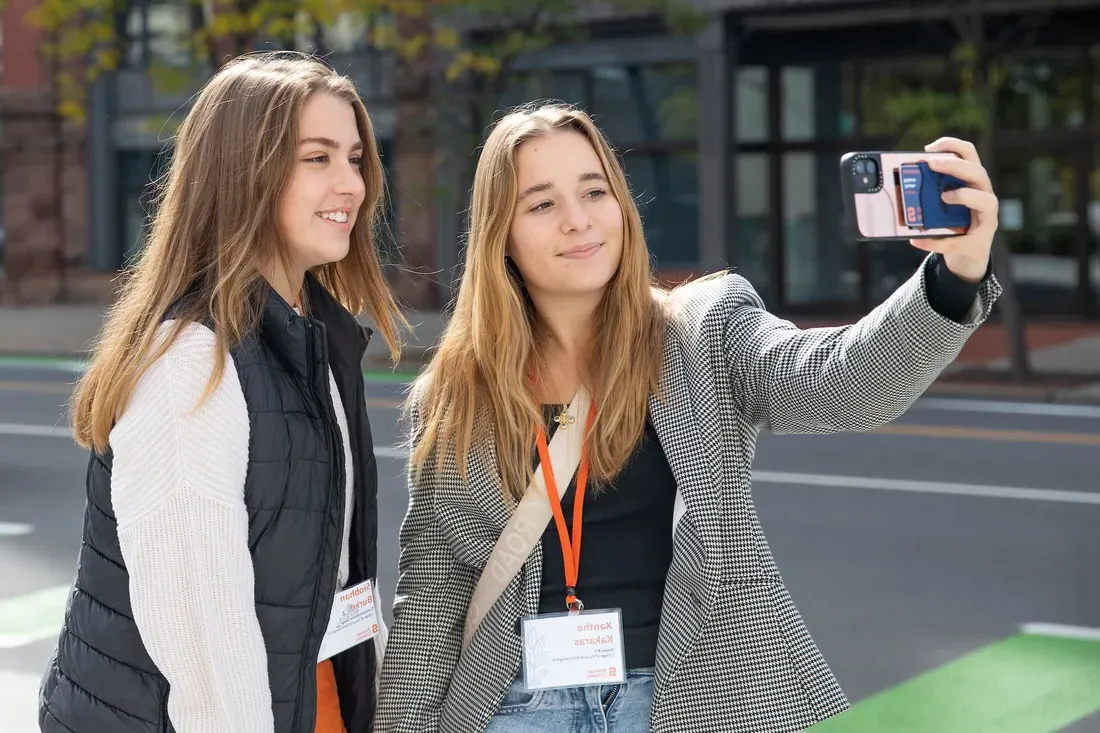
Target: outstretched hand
pixel 966 255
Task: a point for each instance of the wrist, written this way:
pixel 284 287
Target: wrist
pixel 967 269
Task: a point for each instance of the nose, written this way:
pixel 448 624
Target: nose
pixel 349 180
pixel 575 217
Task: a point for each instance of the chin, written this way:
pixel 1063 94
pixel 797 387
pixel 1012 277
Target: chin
pixel 587 288
pixel 332 254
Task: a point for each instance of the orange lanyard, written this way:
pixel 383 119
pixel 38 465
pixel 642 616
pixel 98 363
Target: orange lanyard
pixel 570 550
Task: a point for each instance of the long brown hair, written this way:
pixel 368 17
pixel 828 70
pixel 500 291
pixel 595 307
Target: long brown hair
pixel 477 385
pixel 215 229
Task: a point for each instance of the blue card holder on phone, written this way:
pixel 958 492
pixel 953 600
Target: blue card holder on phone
pixel 922 205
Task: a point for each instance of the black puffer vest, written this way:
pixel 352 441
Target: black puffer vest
pixel 101 679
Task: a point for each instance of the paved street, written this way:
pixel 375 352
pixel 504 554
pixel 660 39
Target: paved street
pixel 905 549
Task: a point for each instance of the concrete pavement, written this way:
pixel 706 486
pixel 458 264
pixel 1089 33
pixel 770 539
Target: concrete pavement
pixel 907 550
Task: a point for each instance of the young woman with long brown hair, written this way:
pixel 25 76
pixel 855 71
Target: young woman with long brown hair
pixel 231 489
pixel 667 613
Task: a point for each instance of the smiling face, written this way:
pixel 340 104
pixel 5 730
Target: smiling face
pixel 566 236
pixel 321 203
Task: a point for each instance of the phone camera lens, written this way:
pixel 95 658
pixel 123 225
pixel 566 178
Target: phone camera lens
pixel 872 169
pixel 860 168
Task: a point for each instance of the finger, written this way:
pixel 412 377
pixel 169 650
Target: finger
pixel 984 202
pixel 972 173
pixel 930 244
pixel 961 148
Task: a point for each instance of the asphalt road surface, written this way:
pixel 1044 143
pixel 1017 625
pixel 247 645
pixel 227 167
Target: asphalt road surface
pixel 921 556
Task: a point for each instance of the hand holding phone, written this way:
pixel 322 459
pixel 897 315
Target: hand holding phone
pixel 898 196
pixel 941 200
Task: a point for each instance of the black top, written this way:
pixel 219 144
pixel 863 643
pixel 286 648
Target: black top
pixel 626 547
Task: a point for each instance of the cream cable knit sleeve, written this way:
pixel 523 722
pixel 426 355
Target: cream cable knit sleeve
pixel 177 490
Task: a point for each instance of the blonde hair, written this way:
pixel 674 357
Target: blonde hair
pixel 215 228
pixel 478 386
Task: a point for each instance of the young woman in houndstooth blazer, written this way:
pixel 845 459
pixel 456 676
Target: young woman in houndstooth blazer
pixel 557 293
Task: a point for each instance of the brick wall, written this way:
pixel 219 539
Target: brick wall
pixel 43 163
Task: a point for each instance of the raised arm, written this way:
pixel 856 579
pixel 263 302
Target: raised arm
pixel 861 376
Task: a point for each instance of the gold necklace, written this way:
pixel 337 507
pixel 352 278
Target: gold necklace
pixel 564 419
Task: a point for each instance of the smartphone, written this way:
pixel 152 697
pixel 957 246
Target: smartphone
pixel 890 195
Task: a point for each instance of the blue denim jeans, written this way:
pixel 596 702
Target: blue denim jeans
pixel 598 709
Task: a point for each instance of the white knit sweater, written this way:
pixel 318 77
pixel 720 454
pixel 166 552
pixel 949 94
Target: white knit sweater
pixel 177 488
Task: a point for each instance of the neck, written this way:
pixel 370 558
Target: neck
pixel 288 284
pixel 569 322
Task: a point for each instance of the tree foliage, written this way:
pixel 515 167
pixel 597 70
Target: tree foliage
pixel 475 40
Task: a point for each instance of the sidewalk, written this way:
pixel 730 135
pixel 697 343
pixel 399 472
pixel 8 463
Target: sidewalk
pixel 1064 356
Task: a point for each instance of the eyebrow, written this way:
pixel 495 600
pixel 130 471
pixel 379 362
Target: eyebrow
pixel 546 185
pixel 328 142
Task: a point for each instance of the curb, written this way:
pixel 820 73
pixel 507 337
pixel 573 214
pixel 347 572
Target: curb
pixel 1016 393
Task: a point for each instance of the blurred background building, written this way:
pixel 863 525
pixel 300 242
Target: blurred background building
pixel 731 128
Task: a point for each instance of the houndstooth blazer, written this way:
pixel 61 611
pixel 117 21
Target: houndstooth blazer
pixel 734 655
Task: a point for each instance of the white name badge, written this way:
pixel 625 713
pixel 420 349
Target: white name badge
pixel 573 649
pixel 354 619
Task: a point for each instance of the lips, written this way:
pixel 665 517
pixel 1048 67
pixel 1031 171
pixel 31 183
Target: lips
pixel 582 250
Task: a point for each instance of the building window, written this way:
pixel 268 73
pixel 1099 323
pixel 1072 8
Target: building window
pixel 347 33
pixel 750 104
pixel 819 262
pixel 546 85
pixel 636 104
pixel 385 240
pixel 137 170
pixel 895 93
pixel 818 101
pixel 1041 91
pixel 1092 250
pixel 158 33
pixel 752 188
pixel 1038 219
pixel 665 188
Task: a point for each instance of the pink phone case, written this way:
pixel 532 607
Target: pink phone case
pixel 878 215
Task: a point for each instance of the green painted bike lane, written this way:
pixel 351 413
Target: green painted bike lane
pixel 1032 682
pixel 1040 680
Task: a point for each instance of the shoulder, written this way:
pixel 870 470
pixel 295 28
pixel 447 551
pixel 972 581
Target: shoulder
pixel 711 302
pixel 181 429
pixel 190 342
pixel 184 374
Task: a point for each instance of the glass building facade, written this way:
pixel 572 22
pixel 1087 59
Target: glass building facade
pixel 732 137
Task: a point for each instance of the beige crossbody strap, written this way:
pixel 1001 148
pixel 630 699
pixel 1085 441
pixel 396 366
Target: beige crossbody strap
pixel 530 517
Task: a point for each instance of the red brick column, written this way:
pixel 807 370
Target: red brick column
pixel 44 170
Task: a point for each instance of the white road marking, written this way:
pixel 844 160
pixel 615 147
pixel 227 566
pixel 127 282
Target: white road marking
pixel 14 529
pixel 927 487
pixel 774 477
pixel 36 431
pixel 1062 630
